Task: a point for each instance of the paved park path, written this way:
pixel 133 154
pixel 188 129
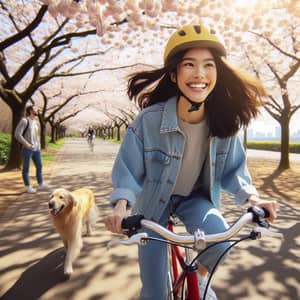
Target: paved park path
pixel 31 253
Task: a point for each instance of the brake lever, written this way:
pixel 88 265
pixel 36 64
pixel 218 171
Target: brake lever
pixel 262 231
pixel 134 239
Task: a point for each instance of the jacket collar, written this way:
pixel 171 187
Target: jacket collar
pixel 169 121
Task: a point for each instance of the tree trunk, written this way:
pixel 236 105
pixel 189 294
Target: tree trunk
pixel 52 134
pixel 43 135
pixel 15 158
pixel 118 133
pixel 112 132
pixel 56 133
pixel 285 145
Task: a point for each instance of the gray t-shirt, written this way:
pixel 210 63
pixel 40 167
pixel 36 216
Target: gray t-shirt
pixel 195 150
pixel 34 134
pixel 31 135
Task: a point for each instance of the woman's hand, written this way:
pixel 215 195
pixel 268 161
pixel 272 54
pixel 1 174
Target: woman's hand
pixel 114 220
pixel 270 205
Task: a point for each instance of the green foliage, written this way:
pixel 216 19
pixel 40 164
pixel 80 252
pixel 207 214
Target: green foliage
pixel 56 146
pixel 115 141
pixel 270 146
pixel 48 155
pixel 273 146
pixel 294 147
pixel 5 141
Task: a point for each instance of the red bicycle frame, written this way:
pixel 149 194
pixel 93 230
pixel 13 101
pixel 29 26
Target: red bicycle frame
pixel 188 271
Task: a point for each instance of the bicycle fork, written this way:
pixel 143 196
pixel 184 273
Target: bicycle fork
pixel 189 272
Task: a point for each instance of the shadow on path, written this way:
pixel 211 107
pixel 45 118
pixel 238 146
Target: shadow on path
pixel 38 278
pixel 267 268
pixel 31 257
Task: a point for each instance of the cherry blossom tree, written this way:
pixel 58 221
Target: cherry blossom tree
pixel 52 105
pixel 51 29
pixel 56 121
pixel 35 49
pixel 121 118
pixel 263 34
pixel 271 46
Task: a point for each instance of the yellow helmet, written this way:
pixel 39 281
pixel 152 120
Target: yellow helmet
pixel 191 36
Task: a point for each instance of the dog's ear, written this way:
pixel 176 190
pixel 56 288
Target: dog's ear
pixel 73 200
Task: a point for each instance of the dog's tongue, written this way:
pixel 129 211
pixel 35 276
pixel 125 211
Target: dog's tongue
pixel 54 212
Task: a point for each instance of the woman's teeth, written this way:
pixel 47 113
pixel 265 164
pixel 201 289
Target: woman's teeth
pixel 198 86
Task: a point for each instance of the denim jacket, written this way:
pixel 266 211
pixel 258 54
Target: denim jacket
pixel 149 159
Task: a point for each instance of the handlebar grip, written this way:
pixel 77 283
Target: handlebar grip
pixel 259 211
pixel 266 213
pixel 132 222
pixel 259 215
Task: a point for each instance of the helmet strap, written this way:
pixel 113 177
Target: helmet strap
pixel 194 105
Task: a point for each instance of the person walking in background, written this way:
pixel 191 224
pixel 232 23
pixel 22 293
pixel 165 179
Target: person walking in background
pixel 183 148
pixel 90 135
pixel 27 134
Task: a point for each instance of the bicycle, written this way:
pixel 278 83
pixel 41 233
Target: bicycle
pixel 90 140
pixel 177 289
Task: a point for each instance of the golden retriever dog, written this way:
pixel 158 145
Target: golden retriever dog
pixel 70 212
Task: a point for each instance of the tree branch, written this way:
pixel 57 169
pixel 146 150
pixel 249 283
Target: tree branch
pixel 279 80
pixel 275 46
pixel 293 69
pixel 25 32
pixel 60 41
pixel 3 68
pixel 65 74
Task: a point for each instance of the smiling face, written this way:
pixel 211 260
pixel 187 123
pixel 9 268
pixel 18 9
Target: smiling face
pixel 196 74
pixel 59 201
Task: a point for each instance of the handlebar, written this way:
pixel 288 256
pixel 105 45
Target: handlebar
pixel 254 215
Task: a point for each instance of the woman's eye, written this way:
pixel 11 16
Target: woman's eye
pixel 210 65
pixel 188 64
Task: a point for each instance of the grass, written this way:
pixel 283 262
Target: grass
pixel 55 146
pixel 115 140
pixel 48 155
pixel 11 182
pixel 5 140
pixel 272 146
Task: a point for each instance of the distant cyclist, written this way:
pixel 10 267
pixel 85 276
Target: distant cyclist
pixel 90 135
pixel 183 148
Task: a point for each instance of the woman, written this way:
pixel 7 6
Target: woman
pixel 182 149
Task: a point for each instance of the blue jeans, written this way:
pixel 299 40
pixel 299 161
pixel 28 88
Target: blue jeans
pixel 195 211
pixel 37 160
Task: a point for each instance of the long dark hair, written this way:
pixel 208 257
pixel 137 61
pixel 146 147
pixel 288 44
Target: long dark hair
pixel 149 87
pixel 232 104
